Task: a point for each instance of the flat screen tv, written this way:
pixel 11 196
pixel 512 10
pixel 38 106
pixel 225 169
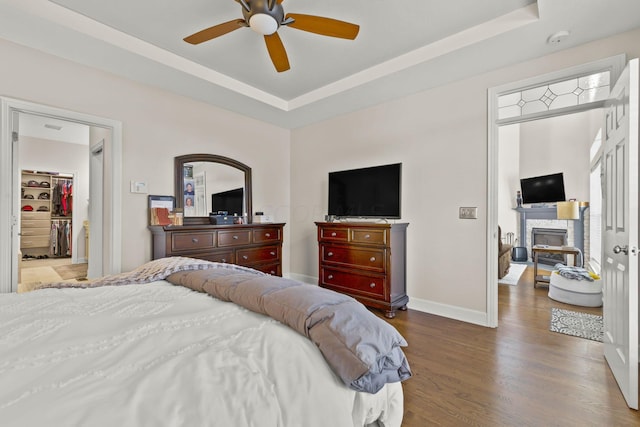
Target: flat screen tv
pixel 228 201
pixel 543 189
pixel 372 192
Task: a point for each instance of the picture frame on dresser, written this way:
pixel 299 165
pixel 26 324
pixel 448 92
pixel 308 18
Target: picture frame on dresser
pixel 156 201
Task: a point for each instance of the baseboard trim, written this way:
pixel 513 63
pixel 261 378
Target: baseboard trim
pixel 310 280
pixel 425 306
pixel 449 311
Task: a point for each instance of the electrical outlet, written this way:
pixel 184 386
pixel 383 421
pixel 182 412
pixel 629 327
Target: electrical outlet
pixel 468 213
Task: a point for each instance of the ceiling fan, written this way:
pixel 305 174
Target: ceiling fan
pixel 265 17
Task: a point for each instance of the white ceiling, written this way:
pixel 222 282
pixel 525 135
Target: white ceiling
pixel 53 129
pixel 403 46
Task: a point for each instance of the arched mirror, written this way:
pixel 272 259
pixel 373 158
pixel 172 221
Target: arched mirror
pixel 207 183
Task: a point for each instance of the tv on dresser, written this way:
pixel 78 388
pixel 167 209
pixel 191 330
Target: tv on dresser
pixel 371 192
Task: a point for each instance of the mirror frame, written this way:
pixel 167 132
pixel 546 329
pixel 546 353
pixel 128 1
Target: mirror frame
pixel 179 163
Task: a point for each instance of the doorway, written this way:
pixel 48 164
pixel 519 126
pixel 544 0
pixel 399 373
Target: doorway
pixel 107 253
pixel 529 100
pixel 619 179
pixel 53 158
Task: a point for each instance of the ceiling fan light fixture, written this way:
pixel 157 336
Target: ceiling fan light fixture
pixel 263 24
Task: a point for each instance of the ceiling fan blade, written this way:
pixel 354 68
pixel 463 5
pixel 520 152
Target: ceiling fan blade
pixel 324 26
pixel 215 31
pixel 277 53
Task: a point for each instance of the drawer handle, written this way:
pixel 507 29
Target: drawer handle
pixel 366 236
pixel 245 257
pixel 267 234
pixel 330 254
pixel 223 260
pixel 235 237
pixel 272 273
pixel 372 285
pixel 194 240
pixel 372 259
pixel 330 276
pixel 272 253
pixel 333 234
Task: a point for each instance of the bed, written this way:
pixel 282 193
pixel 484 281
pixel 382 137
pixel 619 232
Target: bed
pixel 154 347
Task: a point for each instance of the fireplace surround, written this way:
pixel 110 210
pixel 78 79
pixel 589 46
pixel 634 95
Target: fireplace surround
pixel 549 219
pixel 550 237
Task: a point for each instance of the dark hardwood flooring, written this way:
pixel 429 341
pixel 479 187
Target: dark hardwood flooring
pixel 519 374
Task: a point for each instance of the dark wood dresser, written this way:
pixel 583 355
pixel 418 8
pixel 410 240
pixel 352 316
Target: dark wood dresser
pixel 258 246
pixel 366 261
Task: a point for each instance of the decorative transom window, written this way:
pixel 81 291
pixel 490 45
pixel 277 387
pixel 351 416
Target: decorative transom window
pixel 563 94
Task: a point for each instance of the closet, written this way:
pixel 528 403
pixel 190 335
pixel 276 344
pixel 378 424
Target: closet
pixel 46 214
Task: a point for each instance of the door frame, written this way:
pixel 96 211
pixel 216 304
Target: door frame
pixel 112 244
pixel 615 64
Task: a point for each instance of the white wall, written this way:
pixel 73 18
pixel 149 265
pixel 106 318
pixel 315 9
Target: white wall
pixel 542 147
pixel 560 144
pixel 508 177
pixel 440 136
pixel 157 125
pixel 66 158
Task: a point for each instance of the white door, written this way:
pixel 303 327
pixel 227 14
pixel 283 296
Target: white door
pixel 96 208
pixel 15 205
pixel 620 232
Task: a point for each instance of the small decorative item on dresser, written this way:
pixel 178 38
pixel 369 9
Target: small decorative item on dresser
pixel 260 218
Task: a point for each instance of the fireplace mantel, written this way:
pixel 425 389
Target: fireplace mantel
pixel 549 212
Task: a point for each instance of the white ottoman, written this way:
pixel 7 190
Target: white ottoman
pixel 575 292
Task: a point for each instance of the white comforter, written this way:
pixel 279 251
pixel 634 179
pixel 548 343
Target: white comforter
pixel 162 355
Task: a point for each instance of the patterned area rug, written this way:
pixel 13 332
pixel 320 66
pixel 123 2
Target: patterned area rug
pixel 577 324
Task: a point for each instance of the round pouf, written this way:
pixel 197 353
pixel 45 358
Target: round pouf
pixel 575 292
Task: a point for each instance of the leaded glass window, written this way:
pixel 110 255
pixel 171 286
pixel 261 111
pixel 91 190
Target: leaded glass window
pixel 563 94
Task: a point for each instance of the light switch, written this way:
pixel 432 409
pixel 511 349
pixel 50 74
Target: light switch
pixel 139 187
pixel 468 213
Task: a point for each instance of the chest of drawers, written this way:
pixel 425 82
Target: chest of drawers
pixel 366 261
pixel 35 230
pixel 258 246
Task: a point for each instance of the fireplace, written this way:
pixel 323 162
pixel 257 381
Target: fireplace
pixel 550 237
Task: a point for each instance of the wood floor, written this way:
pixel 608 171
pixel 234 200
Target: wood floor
pixel 519 374
pixel 36 271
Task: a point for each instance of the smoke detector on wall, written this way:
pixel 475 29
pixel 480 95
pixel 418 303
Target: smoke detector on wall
pixel 557 38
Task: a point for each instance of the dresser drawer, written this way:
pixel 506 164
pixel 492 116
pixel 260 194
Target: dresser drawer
pixel 249 256
pixel 334 234
pixel 35 215
pixel 234 237
pixel 374 237
pixel 40 231
pixel 266 235
pixel 353 283
pixel 274 269
pixel 370 259
pixel 35 223
pixel 34 242
pixel 181 242
pixel 226 257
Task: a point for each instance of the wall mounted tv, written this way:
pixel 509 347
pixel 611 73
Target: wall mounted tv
pixel 543 189
pixel 228 201
pixel 372 192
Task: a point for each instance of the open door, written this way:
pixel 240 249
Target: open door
pixel 15 204
pixel 620 232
